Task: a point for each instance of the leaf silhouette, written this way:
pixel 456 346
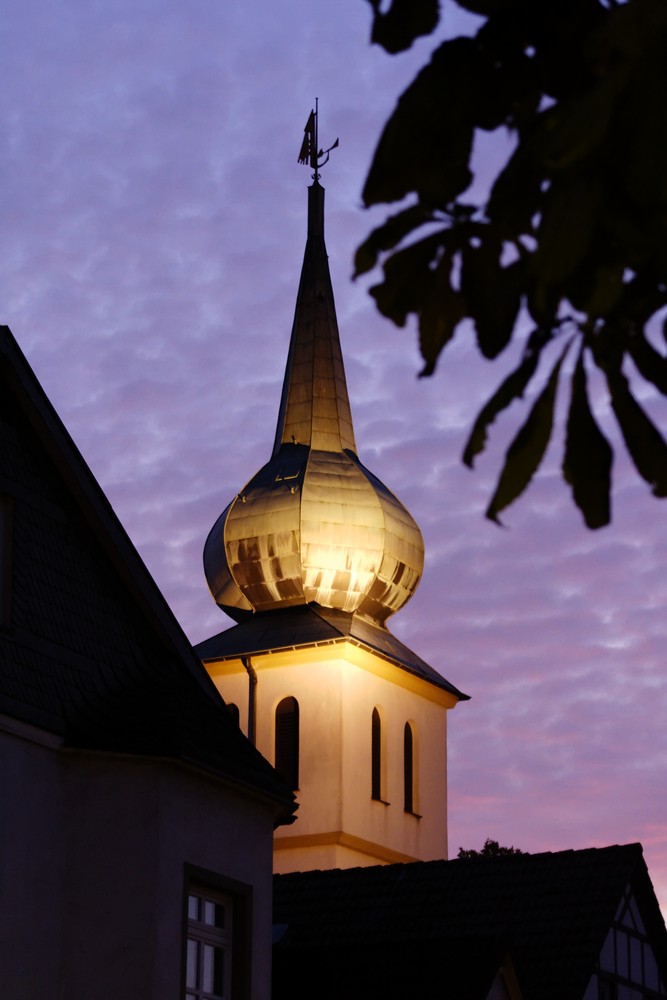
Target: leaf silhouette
pixel 492 294
pixel 644 442
pixel 396 29
pixel 650 363
pixel 426 143
pixel 526 451
pixel 407 277
pixel 386 236
pixel 588 456
pixel 578 209
pixel 511 388
pixel 442 309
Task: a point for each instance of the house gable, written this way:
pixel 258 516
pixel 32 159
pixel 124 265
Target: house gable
pixel 126 784
pixel 91 652
pixel 551 913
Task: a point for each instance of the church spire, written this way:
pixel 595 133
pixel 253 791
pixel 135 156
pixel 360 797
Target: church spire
pixel 314 406
pixel 313 526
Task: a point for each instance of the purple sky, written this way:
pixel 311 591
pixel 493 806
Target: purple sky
pixel 154 224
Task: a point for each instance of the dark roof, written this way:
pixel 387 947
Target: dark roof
pixel 458 968
pixel 552 911
pixel 93 653
pixel 312 625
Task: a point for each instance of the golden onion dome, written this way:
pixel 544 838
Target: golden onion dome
pixel 313 526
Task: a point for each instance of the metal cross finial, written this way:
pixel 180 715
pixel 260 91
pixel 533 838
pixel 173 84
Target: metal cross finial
pixel 309 149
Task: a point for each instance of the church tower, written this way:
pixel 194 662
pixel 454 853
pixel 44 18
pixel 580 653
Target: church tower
pixel 311 558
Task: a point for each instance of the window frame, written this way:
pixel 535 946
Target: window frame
pixel 208 935
pixel 239 896
pixel 621 965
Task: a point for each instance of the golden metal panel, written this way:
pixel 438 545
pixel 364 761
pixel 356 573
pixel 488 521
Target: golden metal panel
pixel 315 374
pixel 314 526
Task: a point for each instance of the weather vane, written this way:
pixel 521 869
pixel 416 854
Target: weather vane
pixel 309 151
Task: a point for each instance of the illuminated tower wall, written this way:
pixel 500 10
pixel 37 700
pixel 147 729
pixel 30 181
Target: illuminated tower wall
pixel 310 558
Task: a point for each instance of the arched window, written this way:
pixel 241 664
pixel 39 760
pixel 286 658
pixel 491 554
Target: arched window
pixel 233 711
pixel 408 769
pixel 376 756
pixel 287 741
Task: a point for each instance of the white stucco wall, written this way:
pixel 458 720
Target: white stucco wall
pixel 338 824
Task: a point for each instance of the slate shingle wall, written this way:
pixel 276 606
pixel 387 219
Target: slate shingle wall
pixel 71 622
pixel 92 653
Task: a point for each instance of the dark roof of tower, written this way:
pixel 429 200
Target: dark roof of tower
pixel 312 625
pixel 552 911
pixel 93 653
